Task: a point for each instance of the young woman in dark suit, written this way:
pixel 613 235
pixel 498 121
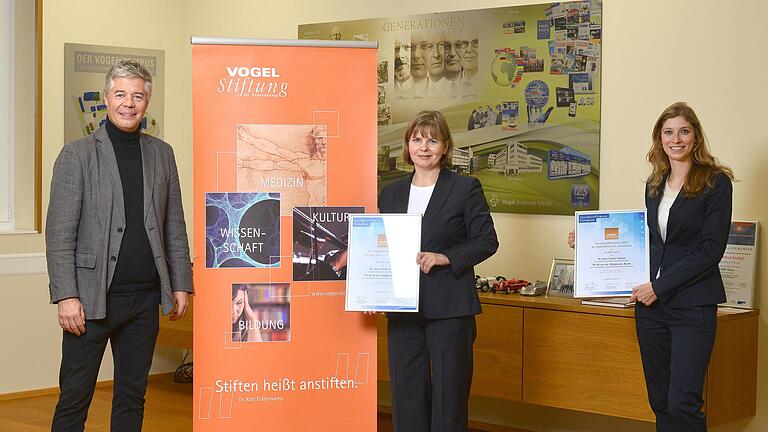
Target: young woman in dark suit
pixel 688 197
pixel 430 352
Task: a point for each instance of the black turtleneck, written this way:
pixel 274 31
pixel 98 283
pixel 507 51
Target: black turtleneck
pixel 135 269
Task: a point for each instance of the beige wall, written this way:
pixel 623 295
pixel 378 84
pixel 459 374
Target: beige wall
pixel 655 52
pixel 32 336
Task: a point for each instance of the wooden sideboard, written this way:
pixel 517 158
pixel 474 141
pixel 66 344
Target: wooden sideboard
pixel 556 352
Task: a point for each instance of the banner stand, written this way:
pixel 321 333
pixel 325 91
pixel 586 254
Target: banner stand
pixel 282 131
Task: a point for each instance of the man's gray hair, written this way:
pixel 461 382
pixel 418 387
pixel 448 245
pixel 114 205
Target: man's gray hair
pixel 127 68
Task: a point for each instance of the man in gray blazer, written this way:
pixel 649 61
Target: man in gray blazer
pixel 116 245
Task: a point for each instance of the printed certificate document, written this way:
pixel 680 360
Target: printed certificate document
pixel 738 267
pixel 612 252
pixel 382 274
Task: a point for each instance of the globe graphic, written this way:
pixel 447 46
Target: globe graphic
pixel 537 93
pixel 504 69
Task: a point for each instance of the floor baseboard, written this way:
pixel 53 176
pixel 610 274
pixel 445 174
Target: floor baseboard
pixel 55 390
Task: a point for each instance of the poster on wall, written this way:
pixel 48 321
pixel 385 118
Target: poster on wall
pixel 85 67
pixel 274 157
pixel 519 86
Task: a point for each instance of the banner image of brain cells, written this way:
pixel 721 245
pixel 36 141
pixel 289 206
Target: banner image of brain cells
pixel 320 242
pixel 519 86
pixel 242 230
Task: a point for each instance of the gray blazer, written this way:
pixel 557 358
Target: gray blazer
pixel 86 209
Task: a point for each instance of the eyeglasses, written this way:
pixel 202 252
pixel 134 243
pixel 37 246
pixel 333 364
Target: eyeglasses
pixel 474 43
pixel 459 45
pixel 425 46
pixel 448 46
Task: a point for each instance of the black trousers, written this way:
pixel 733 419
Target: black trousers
pixel 676 345
pixel 131 325
pixel 430 372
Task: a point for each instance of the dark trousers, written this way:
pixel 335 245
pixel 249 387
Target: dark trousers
pixel 676 345
pixel 430 372
pixel 132 324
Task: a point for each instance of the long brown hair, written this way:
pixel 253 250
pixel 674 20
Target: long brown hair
pixel 430 123
pixel 705 167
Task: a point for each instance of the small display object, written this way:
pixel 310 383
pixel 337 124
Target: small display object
pixel 484 283
pixel 536 288
pixel 508 285
pixel 560 278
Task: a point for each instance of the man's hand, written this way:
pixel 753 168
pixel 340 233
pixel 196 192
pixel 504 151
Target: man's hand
pixel 644 294
pixel 427 260
pixel 180 303
pixel 72 316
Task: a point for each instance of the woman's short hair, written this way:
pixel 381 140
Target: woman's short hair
pixel 126 68
pixel 434 125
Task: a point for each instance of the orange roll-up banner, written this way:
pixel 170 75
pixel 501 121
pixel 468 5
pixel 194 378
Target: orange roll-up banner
pixel 284 151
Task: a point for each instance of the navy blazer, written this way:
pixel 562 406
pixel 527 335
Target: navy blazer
pixel 458 224
pixel 697 233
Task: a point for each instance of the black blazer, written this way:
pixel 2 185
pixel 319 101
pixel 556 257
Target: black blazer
pixel 697 233
pixel 458 224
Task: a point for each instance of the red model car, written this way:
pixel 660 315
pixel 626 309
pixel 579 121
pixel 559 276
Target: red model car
pixel 484 283
pixel 508 285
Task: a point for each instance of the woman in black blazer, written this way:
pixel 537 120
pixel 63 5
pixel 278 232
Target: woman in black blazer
pixel 688 198
pixel 430 352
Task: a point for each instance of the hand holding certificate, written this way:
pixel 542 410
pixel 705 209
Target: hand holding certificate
pixel 382 273
pixel 612 253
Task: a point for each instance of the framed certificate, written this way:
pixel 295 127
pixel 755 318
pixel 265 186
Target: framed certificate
pixel 612 253
pixel 738 267
pixel 382 274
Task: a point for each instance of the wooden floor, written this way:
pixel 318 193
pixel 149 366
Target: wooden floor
pixel 168 409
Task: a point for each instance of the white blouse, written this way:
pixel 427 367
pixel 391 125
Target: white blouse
pixel 418 199
pixel 666 203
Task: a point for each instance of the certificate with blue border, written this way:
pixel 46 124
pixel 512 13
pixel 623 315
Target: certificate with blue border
pixel 612 253
pixel 382 273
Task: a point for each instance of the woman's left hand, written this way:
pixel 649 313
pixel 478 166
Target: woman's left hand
pixel 427 260
pixel 644 294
